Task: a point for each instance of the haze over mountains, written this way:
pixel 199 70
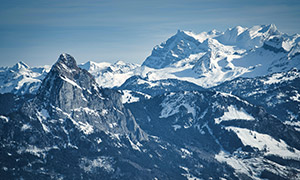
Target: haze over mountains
pixel 214 105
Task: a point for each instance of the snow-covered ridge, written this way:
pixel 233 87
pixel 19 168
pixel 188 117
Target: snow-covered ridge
pixel 185 43
pixel 281 77
pixel 110 75
pixel 248 38
pixel 21 79
pixel 209 58
pixel 265 143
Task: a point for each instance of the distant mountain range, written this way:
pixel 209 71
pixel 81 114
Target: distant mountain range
pixel 214 105
pixel 206 59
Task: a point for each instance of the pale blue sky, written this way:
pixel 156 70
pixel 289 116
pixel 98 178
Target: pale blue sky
pixel 37 31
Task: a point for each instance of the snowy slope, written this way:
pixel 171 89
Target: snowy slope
pixel 129 96
pixel 237 133
pixel 21 79
pixel 248 38
pixel 110 75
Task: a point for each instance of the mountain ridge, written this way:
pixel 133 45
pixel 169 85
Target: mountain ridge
pixel 205 59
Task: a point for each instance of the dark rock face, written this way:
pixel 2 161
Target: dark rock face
pixel 185 110
pixel 275 45
pixel 197 122
pixel 12 102
pixel 70 92
pixel 277 93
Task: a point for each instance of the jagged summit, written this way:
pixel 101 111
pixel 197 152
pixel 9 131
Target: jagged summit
pixel 20 65
pixel 179 32
pixel 67 58
pixel 21 79
pixel 271 28
pixel 209 59
pixel 184 34
pixel 66 62
pixel 66 76
pixel 184 43
pixel 178 47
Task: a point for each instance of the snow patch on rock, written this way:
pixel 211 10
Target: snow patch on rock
pixel 266 143
pixel 233 113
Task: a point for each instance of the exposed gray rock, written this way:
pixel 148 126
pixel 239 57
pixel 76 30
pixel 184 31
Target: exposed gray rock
pixel 71 92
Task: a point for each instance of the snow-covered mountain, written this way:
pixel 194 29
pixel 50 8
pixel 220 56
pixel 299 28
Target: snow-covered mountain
pixel 214 105
pixel 110 75
pixel 217 57
pixel 209 58
pixel 73 128
pixel 248 38
pixel 21 79
pixel 178 47
pixel 206 59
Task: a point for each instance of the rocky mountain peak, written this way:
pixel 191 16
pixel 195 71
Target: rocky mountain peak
pixel 65 64
pixel 68 60
pixel 69 92
pixel 67 85
pixel 271 29
pixel 20 65
pixel 178 47
pixel 184 34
